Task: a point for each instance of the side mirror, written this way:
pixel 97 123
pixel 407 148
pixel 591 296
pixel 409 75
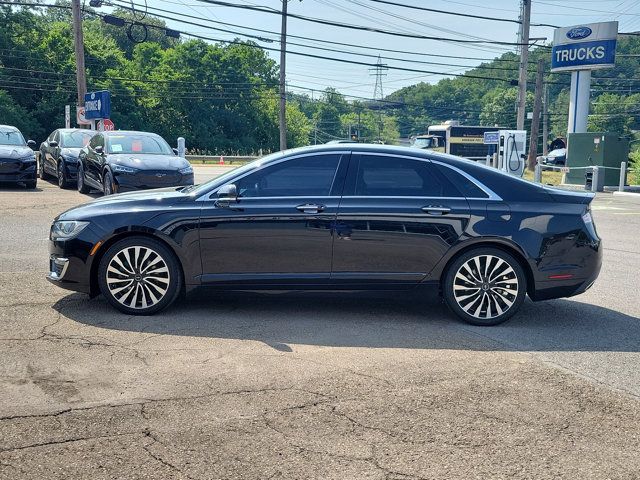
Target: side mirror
pixel 99 150
pixel 228 192
pixel 53 143
pixel 175 151
pixel 31 144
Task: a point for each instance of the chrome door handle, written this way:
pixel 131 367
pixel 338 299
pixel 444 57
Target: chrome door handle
pixel 436 210
pixel 310 208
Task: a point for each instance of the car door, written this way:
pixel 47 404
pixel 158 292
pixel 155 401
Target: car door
pixel 279 231
pixel 397 218
pixel 94 161
pixel 49 152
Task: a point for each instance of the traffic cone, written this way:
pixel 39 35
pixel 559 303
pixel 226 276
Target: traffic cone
pixel 221 162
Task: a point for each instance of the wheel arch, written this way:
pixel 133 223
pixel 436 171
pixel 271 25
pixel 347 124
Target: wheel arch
pixel 499 244
pixel 95 265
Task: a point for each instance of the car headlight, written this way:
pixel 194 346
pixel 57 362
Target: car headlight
pixel 186 170
pixel 66 229
pixel 123 169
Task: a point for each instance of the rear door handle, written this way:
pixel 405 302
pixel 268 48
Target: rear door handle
pixel 436 210
pixel 310 208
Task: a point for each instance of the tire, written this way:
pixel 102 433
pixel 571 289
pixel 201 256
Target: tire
pixel 484 286
pixel 43 175
pixel 108 187
pixel 128 287
pixel 31 184
pixel 63 181
pixel 82 187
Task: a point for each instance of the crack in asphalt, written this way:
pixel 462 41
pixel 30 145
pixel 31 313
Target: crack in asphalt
pixel 68 440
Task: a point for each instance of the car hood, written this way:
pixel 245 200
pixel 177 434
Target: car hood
pixel 150 201
pixel 148 162
pixel 14 151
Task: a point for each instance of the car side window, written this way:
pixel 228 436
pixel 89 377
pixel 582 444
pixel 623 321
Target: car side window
pixel 463 184
pixel 389 176
pixel 310 176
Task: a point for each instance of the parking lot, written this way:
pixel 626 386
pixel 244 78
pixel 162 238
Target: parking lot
pixel 306 385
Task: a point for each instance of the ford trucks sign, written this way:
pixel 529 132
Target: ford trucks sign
pixel 584 47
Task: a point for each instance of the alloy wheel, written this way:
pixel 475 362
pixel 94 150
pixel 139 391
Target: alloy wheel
pixel 62 181
pixel 138 277
pixel 485 286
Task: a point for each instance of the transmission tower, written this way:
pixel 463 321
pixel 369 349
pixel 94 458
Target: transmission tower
pixel 379 71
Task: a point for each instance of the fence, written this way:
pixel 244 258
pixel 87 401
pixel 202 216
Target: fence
pixel 596 172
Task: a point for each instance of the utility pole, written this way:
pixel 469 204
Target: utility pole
pixel 283 93
pixel 535 121
pixel 524 59
pixel 545 121
pixel 78 43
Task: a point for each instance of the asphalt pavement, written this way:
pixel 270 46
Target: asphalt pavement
pixel 312 385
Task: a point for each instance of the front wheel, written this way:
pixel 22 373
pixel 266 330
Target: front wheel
pixel 43 174
pixel 108 187
pixel 63 181
pixel 484 286
pixel 139 276
pixel 82 187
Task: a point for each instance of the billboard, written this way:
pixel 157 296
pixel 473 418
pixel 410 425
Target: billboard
pixel 584 47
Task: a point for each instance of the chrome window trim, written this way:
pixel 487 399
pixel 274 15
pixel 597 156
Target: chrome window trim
pixel 492 195
pixel 202 198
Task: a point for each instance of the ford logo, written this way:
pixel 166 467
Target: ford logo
pixel 578 33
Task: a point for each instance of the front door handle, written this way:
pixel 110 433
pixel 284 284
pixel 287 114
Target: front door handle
pixel 436 210
pixel 310 208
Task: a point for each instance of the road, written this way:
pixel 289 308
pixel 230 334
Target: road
pixel 313 385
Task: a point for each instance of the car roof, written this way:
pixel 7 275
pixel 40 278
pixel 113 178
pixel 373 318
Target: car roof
pixel 77 130
pixel 9 127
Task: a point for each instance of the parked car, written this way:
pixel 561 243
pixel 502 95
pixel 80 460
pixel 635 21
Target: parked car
pixel 119 161
pixel 59 154
pixel 17 159
pixel 555 158
pixel 351 217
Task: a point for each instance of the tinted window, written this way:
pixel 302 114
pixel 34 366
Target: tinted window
pixel 398 177
pixel 462 183
pixel 305 176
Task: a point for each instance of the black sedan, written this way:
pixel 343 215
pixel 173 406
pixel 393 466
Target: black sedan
pixel 118 161
pixel 17 159
pixel 59 154
pixel 335 217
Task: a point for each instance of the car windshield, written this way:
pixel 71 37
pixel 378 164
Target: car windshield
pixel 423 142
pixel 76 139
pixel 149 144
pixel 11 137
pixel 557 153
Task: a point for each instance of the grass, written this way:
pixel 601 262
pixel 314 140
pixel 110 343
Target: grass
pixel 549 177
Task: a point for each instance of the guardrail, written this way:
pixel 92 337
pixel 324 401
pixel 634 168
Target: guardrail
pixel 595 171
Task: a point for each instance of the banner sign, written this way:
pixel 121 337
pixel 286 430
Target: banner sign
pixel 584 47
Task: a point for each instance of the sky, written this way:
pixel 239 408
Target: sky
pixel 305 74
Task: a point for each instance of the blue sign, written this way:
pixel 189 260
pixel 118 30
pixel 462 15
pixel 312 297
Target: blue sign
pixel 97 105
pixel 597 53
pixel 579 33
pixel 491 138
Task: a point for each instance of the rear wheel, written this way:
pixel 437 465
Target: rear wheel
pixel 485 286
pixel 139 276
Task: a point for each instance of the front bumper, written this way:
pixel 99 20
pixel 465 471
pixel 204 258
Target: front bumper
pixel 17 171
pixel 70 262
pixel 147 179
